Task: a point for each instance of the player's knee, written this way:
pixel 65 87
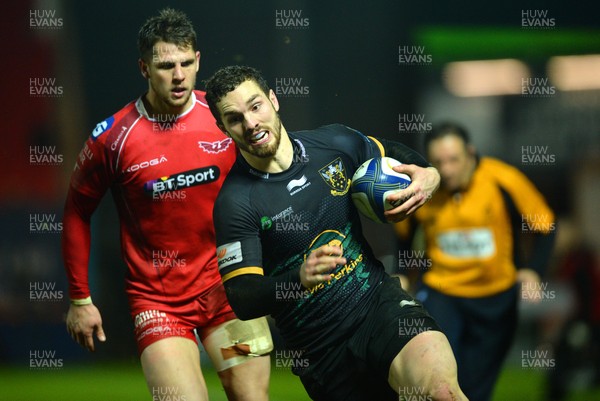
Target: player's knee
pixel 446 391
pixel 247 381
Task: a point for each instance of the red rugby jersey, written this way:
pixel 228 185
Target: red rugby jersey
pixel 164 177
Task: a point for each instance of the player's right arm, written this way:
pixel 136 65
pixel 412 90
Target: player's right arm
pixel 89 182
pixel 83 318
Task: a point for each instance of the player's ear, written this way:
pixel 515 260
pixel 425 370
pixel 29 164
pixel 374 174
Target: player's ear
pixel 197 61
pixel 222 128
pixel 143 68
pixel 471 151
pixel 273 100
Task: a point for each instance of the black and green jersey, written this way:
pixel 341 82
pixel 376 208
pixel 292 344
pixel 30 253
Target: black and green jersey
pixel 267 224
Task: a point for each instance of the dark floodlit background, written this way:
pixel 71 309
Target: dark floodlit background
pixel 347 61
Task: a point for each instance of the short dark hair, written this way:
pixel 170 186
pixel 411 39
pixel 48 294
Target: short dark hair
pixel 169 26
pixel 444 129
pixel 226 80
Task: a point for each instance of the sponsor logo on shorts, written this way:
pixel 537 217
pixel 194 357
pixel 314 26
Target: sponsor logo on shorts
pixel 215 147
pixel 157 323
pixel 186 179
pixel 229 254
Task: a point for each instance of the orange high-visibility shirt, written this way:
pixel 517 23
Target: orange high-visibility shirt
pixel 469 235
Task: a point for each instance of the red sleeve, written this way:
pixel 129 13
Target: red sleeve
pixel 76 240
pixel 89 182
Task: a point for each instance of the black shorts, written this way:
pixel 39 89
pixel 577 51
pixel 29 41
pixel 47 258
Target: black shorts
pixel 357 368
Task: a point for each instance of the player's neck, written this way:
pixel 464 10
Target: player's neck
pixel 280 162
pixel 155 107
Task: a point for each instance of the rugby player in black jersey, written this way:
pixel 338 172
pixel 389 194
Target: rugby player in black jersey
pixel 290 244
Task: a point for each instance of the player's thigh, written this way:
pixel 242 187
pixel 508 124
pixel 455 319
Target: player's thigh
pixel 423 364
pixel 172 368
pixel 237 342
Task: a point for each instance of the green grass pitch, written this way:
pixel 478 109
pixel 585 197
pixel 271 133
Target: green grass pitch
pixel 124 382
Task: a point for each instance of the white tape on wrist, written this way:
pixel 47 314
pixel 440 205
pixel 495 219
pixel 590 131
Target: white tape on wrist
pixel 81 302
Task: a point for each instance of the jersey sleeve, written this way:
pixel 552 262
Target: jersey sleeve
pixel 529 202
pixel 401 152
pixel 239 249
pixel 355 144
pixel 362 148
pixel 89 182
pixel 532 215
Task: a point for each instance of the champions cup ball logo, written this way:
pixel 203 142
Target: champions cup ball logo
pixel 372 182
pixel 334 174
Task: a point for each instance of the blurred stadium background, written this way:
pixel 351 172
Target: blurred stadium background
pixel 523 77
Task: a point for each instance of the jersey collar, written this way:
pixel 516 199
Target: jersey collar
pixel 141 108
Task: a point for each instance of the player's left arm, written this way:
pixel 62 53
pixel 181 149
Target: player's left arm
pixel 425 179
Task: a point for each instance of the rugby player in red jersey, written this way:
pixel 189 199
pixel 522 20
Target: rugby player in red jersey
pixel 164 160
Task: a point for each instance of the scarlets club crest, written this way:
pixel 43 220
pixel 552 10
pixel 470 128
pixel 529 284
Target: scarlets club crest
pixel 334 175
pixel 215 147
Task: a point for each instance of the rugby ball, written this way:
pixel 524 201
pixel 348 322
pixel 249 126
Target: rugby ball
pixel 372 182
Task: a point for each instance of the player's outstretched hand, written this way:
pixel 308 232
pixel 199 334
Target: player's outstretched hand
pixel 82 322
pixel 425 181
pixel 319 263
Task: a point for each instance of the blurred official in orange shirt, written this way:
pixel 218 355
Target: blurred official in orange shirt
pixel 473 276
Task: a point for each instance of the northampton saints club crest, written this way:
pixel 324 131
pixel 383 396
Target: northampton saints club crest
pixel 334 175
